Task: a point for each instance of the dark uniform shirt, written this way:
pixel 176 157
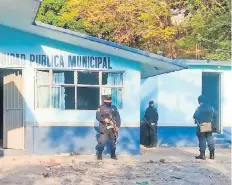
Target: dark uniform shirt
pixel 105 111
pixel 204 113
pixel 151 114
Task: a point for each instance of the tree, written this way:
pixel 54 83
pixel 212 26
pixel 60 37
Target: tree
pixel 208 24
pixel 171 26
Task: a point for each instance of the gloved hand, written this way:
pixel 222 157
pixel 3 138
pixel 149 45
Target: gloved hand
pixel 106 120
pixel 153 124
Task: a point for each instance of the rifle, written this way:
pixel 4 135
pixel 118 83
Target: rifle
pixel 112 124
pixel 148 123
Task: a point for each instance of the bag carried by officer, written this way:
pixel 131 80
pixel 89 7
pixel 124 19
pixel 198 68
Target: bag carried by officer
pixel 206 126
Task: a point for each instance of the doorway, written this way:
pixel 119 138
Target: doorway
pixel 11 109
pixel 211 88
pixel 1 111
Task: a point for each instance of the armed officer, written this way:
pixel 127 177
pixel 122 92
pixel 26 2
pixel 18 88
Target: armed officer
pixel 109 124
pixel 205 113
pixel 149 126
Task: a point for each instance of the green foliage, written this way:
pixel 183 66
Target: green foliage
pixel 147 24
pixel 208 24
pixel 187 42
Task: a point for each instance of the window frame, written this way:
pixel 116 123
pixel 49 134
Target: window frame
pixel 113 86
pixel 75 85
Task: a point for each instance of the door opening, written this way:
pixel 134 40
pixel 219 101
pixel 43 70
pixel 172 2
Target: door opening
pixel 211 88
pixel 11 111
pixel 1 111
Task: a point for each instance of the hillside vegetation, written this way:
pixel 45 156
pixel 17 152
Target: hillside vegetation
pixel 175 28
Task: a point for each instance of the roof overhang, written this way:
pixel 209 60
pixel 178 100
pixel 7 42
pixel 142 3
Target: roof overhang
pixel 209 65
pixel 20 14
pixel 208 62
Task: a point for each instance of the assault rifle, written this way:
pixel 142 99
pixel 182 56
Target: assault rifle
pixel 148 123
pixel 112 125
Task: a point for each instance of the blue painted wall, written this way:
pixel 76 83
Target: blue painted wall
pixel 177 136
pixel 177 100
pixel 78 139
pixel 56 131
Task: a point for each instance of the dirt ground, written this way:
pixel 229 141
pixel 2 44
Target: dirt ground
pixel 159 166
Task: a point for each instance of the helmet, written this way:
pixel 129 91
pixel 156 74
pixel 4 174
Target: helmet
pixel 202 99
pixel 151 102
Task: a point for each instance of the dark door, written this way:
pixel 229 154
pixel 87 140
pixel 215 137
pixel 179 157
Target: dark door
pixel 211 88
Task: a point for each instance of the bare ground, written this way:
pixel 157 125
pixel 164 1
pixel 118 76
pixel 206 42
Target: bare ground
pixel 161 166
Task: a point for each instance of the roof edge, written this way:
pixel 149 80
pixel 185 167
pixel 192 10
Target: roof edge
pixel 37 11
pixel 178 62
pixel 208 62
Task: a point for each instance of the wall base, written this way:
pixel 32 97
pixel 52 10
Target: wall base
pixel 186 136
pixel 80 140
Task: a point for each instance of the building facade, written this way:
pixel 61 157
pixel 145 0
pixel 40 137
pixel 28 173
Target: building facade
pixel 176 96
pixel 52 89
pixel 52 81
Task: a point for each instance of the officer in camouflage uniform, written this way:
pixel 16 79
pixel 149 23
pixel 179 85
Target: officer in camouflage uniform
pixel 109 123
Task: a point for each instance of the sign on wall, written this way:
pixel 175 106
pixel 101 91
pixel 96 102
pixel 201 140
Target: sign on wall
pixel 106 91
pixel 54 61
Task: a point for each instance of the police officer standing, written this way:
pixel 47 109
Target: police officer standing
pixel 205 113
pixel 109 123
pixel 149 131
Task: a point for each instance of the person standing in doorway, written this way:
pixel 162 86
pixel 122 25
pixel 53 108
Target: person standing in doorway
pixel 109 124
pixel 205 114
pixel 150 121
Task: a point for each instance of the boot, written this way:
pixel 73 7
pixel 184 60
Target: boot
pixel 99 157
pixel 113 156
pixel 201 156
pixel 212 155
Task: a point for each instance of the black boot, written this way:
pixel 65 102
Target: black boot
pixel 113 156
pixel 212 155
pixel 201 156
pixel 99 157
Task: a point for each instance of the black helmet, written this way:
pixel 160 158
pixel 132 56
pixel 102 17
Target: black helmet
pixel 202 99
pixel 151 102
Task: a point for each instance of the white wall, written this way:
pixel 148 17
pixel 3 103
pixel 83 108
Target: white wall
pixel 227 99
pixel 177 97
pixel 178 93
pixel 148 92
pixel 23 43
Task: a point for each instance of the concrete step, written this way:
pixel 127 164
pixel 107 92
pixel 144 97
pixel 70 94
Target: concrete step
pixel 219 141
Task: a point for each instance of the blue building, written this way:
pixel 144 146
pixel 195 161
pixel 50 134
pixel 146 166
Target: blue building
pixel 176 96
pixel 52 80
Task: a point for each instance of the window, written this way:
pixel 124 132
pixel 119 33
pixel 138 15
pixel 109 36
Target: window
pixel 88 94
pixel 43 89
pixel 43 98
pixel 63 77
pixel 88 98
pixel 89 78
pixel 112 84
pixel 82 90
pixel 114 79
